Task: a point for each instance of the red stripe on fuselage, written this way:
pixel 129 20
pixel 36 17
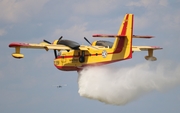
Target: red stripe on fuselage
pixel 74 68
pixel 75 56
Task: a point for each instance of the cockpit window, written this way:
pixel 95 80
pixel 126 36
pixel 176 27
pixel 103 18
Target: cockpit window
pixel 69 43
pixel 60 52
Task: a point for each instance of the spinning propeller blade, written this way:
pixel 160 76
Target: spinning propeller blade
pixel 59 39
pixel 90 43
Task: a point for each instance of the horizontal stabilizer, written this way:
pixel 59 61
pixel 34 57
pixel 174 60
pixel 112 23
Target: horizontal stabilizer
pixel 113 36
pixel 139 36
pixel 110 36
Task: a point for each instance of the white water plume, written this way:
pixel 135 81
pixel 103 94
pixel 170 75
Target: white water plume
pixel 120 86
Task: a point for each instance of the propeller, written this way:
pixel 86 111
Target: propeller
pixel 90 43
pixel 87 40
pixel 47 41
pixel 59 39
pixel 55 53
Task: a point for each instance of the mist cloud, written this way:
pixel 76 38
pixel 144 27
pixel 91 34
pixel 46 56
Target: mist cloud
pixel 120 86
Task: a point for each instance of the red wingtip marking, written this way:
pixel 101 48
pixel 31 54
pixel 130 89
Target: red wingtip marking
pixel 156 47
pixel 15 44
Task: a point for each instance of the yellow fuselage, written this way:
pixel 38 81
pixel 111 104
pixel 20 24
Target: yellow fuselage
pixel 70 60
pixel 121 50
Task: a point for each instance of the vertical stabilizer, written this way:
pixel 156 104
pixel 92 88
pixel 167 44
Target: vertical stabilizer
pixel 123 43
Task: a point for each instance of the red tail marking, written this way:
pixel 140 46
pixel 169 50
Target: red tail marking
pixel 122 39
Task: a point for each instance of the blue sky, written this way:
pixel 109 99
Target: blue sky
pixel 27 85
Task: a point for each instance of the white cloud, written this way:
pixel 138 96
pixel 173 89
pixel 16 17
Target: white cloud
pixel 171 21
pixel 151 4
pixel 16 10
pixel 95 7
pixel 163 2
pixel 2 32
pixel 72 31
pixel 141 22
pixel 156 13
pixel 75 32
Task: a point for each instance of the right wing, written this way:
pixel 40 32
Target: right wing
pixel 42 45
pixel 145 48
pixel 150 50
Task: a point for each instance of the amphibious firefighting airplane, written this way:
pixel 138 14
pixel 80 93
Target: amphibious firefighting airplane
pixel 71 56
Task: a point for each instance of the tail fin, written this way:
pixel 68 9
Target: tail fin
pixel 123 43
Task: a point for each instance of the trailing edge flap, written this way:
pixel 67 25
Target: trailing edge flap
pixel 144 48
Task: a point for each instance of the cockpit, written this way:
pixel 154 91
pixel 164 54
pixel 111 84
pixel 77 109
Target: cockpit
pixel 69 43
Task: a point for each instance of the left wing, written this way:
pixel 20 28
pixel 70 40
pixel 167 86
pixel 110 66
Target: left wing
pixel 43 45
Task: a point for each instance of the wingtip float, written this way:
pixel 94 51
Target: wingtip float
pixel 71 56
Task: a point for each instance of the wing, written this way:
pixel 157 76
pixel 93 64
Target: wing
pixel 145 48
pixel 47 46
pixel 42 45
pixel 150 50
